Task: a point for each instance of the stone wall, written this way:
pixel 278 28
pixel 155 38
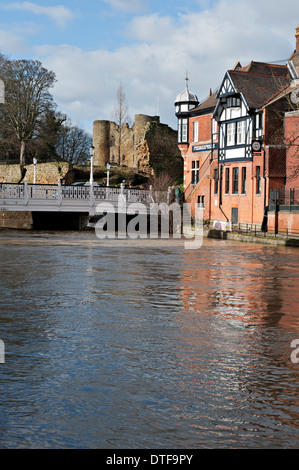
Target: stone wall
pixel 16 220
pixel 46 173
pixel 148 145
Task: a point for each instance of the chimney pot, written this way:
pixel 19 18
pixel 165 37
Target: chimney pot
pixel 297 39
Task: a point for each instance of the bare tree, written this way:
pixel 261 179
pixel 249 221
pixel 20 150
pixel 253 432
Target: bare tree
pixel 27 99
pixel 120 116
pixel 73 144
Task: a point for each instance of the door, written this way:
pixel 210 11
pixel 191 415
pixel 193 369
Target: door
pixel 235 215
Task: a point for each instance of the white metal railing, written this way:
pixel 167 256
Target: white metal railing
pixel 58 192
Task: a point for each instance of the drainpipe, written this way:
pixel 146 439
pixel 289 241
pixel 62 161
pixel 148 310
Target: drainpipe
pixel 220 190
pixel 265 218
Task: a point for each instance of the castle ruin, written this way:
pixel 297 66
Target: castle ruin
pixel 148 146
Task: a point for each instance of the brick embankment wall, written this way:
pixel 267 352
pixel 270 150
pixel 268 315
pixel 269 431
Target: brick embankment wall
pixel 16 220
pixel 284 221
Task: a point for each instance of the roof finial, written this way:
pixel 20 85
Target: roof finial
pixel 187 79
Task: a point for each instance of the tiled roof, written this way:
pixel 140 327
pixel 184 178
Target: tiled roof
pixel 208 103
pixel 258 88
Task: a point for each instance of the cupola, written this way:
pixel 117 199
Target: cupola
pixel 186 100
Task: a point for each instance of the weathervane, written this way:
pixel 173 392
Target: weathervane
pixel 187 78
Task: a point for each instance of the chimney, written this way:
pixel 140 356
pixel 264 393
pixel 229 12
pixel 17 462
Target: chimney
pixel 297 39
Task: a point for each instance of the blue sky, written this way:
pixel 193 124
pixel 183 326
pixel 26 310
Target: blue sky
pixel 147 45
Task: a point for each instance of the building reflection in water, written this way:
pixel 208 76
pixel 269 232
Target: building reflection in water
pixel 240 313
pixel 252 286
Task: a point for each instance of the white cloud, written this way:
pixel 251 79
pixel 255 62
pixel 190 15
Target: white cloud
pixel 59 14
pixel 127 5
pixel 206 43
pixel 12 42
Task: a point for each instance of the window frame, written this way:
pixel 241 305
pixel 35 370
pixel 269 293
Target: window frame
pixel 227 180
pixel 235 133
pixel 195 131
pixel 195 172
pixel 258 180
pixel 235 180
pixel 244 173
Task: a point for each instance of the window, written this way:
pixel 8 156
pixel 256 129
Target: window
pixel 227 181
pixel 216 181
pixel 259 124
pixel 235 180
pixel 233 102
pixel 183 130
pixel 258 180
pixel 195 172
pixel 195 131
pixel 235 133
pixel 244 180
pixel 230 133
pixel 215 127
pixel 240 132
pixel 201 201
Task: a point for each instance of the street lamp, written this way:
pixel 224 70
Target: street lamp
pixel 34 170
pixel 91 151
pixel 108 168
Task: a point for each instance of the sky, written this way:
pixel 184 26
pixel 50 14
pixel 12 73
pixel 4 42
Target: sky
pixel 94 46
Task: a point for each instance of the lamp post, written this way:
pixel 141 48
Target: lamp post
pixel 34 170
pixel 91 151
pixel 108 168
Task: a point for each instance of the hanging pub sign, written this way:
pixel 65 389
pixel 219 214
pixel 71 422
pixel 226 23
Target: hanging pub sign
pixel 256 146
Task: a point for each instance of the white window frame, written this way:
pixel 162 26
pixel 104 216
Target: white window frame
pixel 195 131
pixel 214 127
pixel 240 132
pixel 231 130
pixel 184 130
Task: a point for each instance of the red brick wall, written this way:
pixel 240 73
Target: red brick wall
pixel 292 153
pixel 284 221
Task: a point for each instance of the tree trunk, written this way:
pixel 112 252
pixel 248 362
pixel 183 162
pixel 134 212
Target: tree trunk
pixel 119 145
pixel 22 153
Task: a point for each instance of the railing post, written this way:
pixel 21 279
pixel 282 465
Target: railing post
pixel 59 195
pixel 151 193
pixel 25 192
pixel 91 195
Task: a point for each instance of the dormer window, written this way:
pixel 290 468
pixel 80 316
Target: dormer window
pixel 233 102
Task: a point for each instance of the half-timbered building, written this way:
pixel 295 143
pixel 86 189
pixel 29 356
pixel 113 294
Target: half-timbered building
pixel 233 142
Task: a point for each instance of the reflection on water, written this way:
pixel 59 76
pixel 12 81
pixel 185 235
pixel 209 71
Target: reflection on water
pixel 147 344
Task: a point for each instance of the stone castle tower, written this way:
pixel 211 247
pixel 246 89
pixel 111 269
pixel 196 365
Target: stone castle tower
pixel 148 145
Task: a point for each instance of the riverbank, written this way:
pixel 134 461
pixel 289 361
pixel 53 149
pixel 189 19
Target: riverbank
pixel 251 238
pixel 23 221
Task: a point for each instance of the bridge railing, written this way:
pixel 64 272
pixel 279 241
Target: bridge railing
pixel 70 192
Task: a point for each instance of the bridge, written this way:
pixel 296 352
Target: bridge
pixel 78 201
pixel 59 198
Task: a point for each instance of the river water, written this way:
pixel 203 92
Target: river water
pixel 115 345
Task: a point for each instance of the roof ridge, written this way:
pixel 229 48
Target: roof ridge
pixel 245 72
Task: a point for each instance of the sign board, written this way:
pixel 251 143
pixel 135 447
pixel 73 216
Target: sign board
pixel 256 146
pixel 220 225
pixel 204 147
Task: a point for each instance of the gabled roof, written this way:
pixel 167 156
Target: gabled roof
pixel 259 88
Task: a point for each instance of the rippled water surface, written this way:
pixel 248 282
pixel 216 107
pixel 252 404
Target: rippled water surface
pixel 147 345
